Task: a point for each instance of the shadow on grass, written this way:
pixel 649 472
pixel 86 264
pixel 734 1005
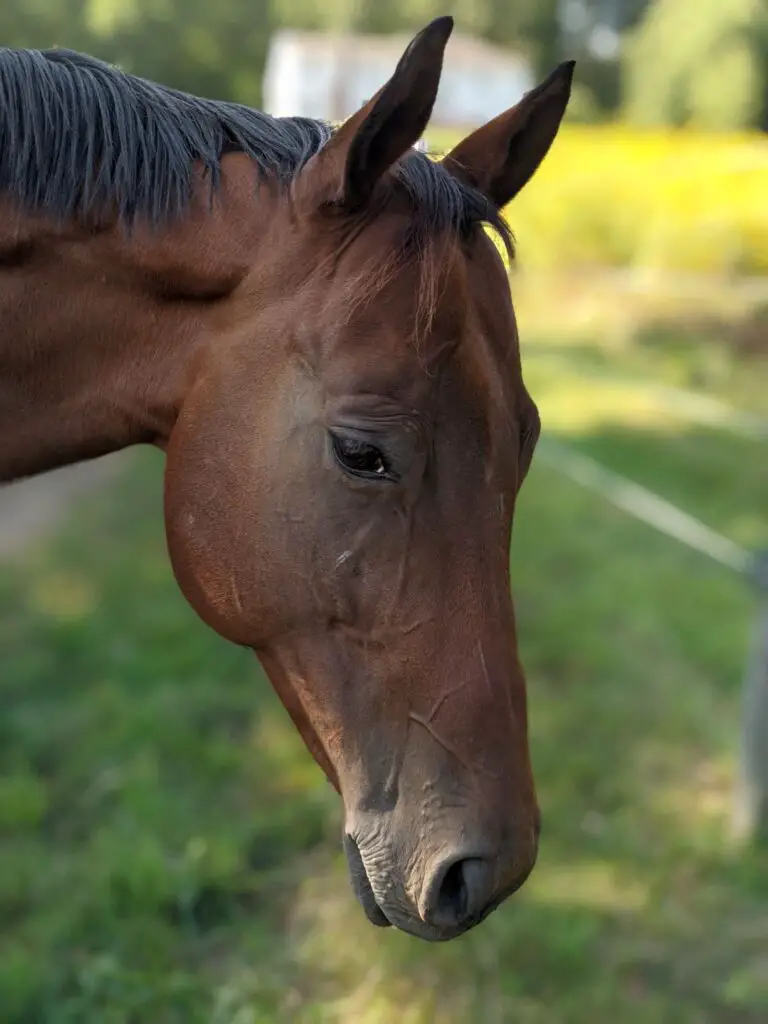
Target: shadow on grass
pixel 170 852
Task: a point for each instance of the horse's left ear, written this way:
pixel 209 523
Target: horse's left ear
pixel 499 158
pixel 346 170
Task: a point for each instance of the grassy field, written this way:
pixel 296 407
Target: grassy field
pixel 609 381
pixel 169 852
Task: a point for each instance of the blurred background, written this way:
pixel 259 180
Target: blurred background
pixel 168 850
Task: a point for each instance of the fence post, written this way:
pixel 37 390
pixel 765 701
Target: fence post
pixel 751 810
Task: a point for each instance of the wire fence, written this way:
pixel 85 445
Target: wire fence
pixel 750 805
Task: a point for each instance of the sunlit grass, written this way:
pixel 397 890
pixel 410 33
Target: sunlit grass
pixel 66 595
pixel 596 884
pixel 571 403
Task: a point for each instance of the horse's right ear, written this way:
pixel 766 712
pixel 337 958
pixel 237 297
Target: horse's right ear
pixel 346 170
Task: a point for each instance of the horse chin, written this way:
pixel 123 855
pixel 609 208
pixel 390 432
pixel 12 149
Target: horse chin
pixel 362 887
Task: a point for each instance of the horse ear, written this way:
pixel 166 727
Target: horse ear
pixel 499 158
pixel 347 169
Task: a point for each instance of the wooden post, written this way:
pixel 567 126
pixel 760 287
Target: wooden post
pixel 751 810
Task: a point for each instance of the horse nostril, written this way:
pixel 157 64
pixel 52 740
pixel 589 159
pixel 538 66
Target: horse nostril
pixel 459 892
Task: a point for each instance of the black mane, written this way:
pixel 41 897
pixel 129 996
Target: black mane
pixel 78 136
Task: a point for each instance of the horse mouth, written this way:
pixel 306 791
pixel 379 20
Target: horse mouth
pixel 362 887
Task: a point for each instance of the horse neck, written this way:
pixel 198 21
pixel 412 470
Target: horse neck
pixel 99 331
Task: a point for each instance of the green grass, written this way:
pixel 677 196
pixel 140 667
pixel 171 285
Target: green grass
pixel 170 853
pixel 713 473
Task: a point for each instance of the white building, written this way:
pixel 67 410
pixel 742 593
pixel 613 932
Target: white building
pixel 329 76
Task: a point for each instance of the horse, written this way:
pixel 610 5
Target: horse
pixel 315 327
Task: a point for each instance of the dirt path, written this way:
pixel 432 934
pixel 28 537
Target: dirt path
pixel 31 508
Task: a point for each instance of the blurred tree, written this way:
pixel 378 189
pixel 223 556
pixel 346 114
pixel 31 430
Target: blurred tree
pixel 699 62
pixel 219 49
pixel 43 23
pixel 375 16
pixel 531 25
pixel 214 50
pixel 190 44
pixel 591 31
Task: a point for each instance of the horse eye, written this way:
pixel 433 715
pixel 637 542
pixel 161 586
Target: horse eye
pixel 360 458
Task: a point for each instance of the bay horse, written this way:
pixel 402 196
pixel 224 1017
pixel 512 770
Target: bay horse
pixel 314 326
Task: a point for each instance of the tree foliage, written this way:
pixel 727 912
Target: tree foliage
pixel 702 62
pixel 219 49
pixel 699 62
